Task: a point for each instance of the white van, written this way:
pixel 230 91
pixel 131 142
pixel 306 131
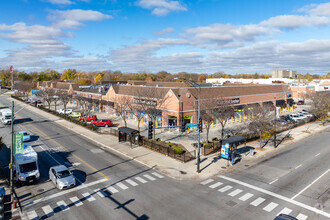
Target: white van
pixel 5 116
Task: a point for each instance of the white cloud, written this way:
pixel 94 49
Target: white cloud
pixel 226 35
pixel 161 7
pixel 165 31
pixel 72 18
pixel 317 9
pixel 295 21
pixel 61 2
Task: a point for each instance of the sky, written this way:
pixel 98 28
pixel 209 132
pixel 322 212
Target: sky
pixel 194 36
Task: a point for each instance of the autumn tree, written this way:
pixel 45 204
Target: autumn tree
pixel 321 105
pixel 69 74
pixel 98 78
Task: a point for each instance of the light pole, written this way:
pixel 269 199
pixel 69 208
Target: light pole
pixel 198 118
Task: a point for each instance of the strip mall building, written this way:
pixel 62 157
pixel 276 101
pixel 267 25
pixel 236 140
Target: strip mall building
pixel 175 102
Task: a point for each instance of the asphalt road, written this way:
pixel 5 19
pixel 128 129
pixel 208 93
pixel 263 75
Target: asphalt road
pixel 110 186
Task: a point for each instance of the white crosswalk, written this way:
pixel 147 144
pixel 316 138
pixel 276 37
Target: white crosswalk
pixel 266 205
pixel 87 197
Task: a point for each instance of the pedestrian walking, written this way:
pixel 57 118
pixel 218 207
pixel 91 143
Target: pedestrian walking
pixel 232 156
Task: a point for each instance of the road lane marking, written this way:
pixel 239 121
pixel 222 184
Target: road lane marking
pixel 273 181
pixel 89 197
pixel 258 201
pixel 298 166
pixel 301 216
pixel 246 197
pixel 84 162
pixel 112 189
pixel 131 182
pixel 310 184
pixel 285 211
pixel 270 207
pixel 149 177
pixel 64 192
pixel 215 185
pixel 32 215
pixel 235 192
pixel 158 175
pixel 100 193
pixel 317 154
pixel 224 189
pixel 207 181
pixel 76 201
pixel 48 210
pixel 62 205
pixel 141 180
pixel 313 209
pixel 121 185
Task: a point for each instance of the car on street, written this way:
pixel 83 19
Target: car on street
pixel 62 177
pixel 285 217
pixel 67 111
pixel 26 136
pixel 102 123
pixel 88 118
pixel 75 114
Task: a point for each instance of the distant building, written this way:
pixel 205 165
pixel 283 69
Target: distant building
pixel 284 74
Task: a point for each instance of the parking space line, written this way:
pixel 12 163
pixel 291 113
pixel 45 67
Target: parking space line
pixel 273 181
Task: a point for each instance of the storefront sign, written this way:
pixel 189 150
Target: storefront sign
pixel 229 101
pixel 225 151
pixel 145 101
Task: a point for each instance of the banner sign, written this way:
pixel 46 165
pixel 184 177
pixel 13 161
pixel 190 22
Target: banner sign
pixel 18 143
pixel 225 151
pixel 145 101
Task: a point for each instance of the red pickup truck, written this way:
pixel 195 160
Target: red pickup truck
pixel 88 118
pixel 102 123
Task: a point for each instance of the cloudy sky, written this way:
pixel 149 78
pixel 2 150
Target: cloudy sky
pixel 199 36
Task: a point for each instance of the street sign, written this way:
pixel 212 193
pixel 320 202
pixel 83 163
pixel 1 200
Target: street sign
pixel 192 125
pixel 18 143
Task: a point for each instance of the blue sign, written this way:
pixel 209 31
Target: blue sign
pixel 35 91
pixel 225 151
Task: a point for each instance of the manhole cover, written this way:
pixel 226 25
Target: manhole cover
pixel 231 203
pixel 183 172
pixel 41 190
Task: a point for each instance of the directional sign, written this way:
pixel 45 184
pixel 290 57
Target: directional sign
pixel 192 125
pixel 18 143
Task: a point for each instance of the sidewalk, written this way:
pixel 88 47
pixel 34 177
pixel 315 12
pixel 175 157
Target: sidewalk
pixel 210 165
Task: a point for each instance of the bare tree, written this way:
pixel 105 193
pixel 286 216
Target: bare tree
pixel 223 112
pixel 64 97
pixel 24 87
pixel 122 107
pixel 321 105
pixel 48 95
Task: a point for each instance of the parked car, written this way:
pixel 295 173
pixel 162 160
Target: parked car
pixel 296 118
pixel 88 118
pixel 26 136
pixel 301 102
pixel 75 114
pixel 289 119
pixel 61 177
pixel 102 123
pixel 67 111
pixel 307 114
pixel 281 121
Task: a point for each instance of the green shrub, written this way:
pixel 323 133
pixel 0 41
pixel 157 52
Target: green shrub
pixel 158 139
pixel 177 150
pixel 207 146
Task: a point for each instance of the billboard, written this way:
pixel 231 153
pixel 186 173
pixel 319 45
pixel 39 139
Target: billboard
pixel 225 151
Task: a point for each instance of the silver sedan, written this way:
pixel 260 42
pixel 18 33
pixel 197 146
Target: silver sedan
pixel 61 177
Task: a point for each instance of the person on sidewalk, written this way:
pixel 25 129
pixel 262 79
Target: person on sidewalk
pixel 232 157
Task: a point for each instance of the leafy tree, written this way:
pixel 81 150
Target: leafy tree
pixel 98 78
pixel 69 74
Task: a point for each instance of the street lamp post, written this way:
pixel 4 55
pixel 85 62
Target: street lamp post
pixel 198 117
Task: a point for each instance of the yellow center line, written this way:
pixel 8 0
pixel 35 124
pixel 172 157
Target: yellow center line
pixel 87 164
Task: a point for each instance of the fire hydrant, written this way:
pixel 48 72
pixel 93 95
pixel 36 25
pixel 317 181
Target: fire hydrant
pixel 15 201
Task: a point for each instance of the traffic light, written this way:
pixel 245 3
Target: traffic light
pixel 183 126
pixel 200 125
pixel 150 129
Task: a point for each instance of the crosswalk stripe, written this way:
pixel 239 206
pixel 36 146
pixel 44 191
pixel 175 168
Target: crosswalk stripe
pixel 149 177
pixel 121 185
pixel 301 216
pixel 215 185
pixel 158 175
pixel 141 180
pixel 89 197
pixel 62 205
pixel 270 206
pixel 224 189
pixel 235 192
pixel 207 181
pixel 131 182
pixel 285 211
pixel 100 193
pixel 32 215
pixel 48 210
pixel 112 189
pixel 246 197
pixel 76 201
pixel 258 201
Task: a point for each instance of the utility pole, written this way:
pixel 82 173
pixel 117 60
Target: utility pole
pixel 199 132
pixel 275 124
pixel 12 147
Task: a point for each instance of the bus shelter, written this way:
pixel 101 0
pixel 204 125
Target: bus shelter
pixel 128 134
pixel 229 146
